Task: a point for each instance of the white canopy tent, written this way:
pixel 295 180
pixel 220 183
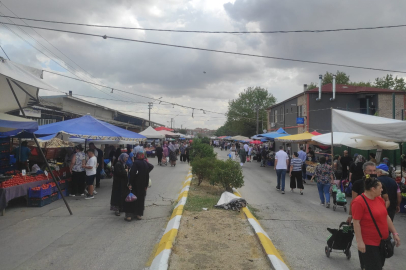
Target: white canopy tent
pixel 369 126
pixel 23 80
pixel 342 138
pixel 151 133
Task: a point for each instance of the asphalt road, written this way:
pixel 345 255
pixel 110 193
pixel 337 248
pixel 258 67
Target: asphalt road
pixel 297 223
pixel 93 238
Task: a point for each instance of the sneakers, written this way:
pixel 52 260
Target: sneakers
pixel 278 188
pixel 83 194
pixel 89 197
pixel 283 192
pixel 94 192
pixel 291 190
pixel 301 192
pixel 71 195
pixel 327 205
pixel 322 203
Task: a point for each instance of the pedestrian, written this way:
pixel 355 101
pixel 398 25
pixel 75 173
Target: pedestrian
pixel 187 151
pixel 233 150
pixel 250 149
pixel 116 155
pixel 337 168
pixel 302 156
pixel 137 184
pixel 100 162
pixel 111 154
pixel 129 150
pixel 372 158
pixel 264 155
pixel 281 166
pixel 25 155
pixel 172 154
pixel 78 172
pixel 324 176
pixel 345 161
pixel 310 154
pixel 166 153
pixel 246 148
pixel 182 150
pixel 356 171
pixel 177 148
pixel 391 171
pixel 391 187
pixel 243 156
pixel 371 225
pixel 159 153
pixel 120 180
pixel 90 167
pixel 296 173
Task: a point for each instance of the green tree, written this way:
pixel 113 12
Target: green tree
pixel 341 78
pixel 225 130
pixel 228 174
pixel 241 115
pixel 386 82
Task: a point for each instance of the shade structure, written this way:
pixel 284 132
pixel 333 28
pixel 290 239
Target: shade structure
pixel 168 134
pixel 163 128
pixel 297 138
pixel 181 135
pixel 342 138
pixel 256 142
pixel 11 125
pixel 88 127
pixel 372 127
pixel 25 82
pixel 222 137
pixel 151 133
pixel 276 134
pixel 239 138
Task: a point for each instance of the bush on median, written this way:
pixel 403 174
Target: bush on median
pixel 228 174
pixel 203 168
pixel 200 150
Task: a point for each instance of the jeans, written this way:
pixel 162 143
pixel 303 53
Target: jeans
pixel 324 191
pixel 263 162
pixel 280 173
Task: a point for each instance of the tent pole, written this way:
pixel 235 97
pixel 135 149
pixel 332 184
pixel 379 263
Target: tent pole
pixel 40 150
pixel 332 137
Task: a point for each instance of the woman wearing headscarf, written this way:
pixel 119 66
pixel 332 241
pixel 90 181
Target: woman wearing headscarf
pixel 166 152
pixel 137 184
pixel 172 155
pixel 120 181
pixel 356 171
pixel 159 152
pixel 116 155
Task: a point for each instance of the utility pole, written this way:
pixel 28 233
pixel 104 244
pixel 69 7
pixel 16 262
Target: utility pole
pixel 257 108
pixel 149 113
pixel 171 122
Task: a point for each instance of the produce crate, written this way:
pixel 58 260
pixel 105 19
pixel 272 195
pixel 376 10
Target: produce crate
pixel 64 192
pixel 39 202
pixel 54 197
pixel 39 193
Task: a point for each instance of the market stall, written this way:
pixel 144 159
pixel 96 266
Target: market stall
pixel 169 134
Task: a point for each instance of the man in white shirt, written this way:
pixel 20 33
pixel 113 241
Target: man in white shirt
pixel 246 148
pixel 90 168
pixel 281 165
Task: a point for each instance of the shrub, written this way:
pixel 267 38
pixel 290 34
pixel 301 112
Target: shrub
pixel 200 150
pixel 228 174
pixel 203 168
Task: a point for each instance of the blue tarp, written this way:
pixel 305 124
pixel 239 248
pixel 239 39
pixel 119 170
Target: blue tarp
pixel 88 127
pixel 276 134
pixel 11 125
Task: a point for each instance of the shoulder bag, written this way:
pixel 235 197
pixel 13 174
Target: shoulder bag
pixel 385 246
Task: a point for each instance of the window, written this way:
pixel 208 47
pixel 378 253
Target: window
pixel 42 122
pixel 300 111
pixel 275 119
pixel 282 115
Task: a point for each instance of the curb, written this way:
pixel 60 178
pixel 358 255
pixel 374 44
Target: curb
pixel 161 257
pixel 272 253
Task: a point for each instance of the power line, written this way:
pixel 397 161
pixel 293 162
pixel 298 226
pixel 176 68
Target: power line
pixel 214 32
pixel 211 50
pixel 4 52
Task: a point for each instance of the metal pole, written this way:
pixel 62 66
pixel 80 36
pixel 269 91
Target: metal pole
pixel 149 112
pixel 393 106
pixel 332 136
pixel 40 150
pixel 367 106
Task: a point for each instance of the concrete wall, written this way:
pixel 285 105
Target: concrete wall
pixel 385 105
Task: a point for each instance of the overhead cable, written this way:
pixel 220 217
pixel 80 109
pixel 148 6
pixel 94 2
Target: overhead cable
pixel 214 32
pixel 211 50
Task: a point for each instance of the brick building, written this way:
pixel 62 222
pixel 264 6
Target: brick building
pixel 316 113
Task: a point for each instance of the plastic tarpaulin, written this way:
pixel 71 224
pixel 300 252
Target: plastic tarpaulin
pixel 30 79
pixel 88 127
pixel 276 134
pixel 151 133
pixel 239 138
pixel 297 138
pixel 342 138
pixel 11 125
pixel 373 127
pixel 163 128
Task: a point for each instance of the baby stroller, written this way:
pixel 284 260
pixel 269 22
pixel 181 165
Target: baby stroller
pixel 338 198
pixel 340 239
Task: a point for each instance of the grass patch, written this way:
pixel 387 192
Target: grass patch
pixel 195 203
pixel 254 211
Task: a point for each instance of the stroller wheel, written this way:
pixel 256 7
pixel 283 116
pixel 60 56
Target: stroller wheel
pixel 334 207
pixel 345 209
pixel 348 254
pixel 327 250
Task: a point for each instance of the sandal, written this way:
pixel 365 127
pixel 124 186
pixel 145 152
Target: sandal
pixel 129 219
pixel 117 213
pixel 138 218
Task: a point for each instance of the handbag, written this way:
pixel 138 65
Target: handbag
pixel 385 247
pixel 149 183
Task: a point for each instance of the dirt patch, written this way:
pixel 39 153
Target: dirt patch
pixel 214 239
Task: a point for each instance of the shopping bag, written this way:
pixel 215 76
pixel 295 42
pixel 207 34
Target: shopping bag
pixel 149 183
pixel 130 197
pixel 229 155
pixel 167 159
pixel 248 159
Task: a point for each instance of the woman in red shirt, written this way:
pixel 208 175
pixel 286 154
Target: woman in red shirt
pixel 366 234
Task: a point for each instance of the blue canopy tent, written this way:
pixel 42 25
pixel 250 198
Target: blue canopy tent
pixel 88 127
pixel 276 134
pixel 11 125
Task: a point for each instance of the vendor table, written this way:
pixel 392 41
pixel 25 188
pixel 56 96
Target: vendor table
pixel 7 194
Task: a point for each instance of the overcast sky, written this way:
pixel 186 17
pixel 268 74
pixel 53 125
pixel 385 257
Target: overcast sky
pixel 177 75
